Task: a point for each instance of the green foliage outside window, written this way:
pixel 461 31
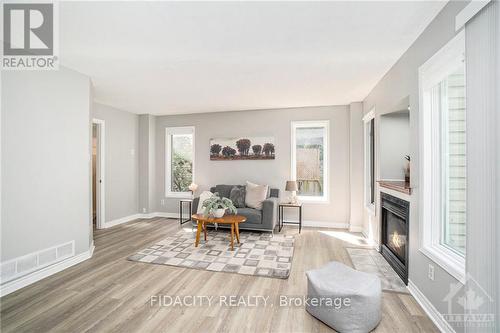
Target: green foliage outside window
pixel 182 173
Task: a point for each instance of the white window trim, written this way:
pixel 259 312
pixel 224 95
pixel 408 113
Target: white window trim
pixel 431 226
pixel 168 159
pixel 325 198
pixel 370 207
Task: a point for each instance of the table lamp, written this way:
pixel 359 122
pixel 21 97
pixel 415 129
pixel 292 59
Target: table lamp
pixel 291 186
pixel 193 187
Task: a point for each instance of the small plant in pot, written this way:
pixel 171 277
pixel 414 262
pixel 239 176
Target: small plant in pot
pixel 217 206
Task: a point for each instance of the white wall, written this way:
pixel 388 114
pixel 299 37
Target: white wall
pixel 45 161
pixel 275 123
pixel 121 161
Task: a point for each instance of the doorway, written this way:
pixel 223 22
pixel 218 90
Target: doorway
pixel 98 216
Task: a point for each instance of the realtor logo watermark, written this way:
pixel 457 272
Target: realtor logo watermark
pixel 30 36
pixel 468 305
pixel 331 302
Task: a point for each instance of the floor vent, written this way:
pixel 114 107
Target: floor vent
pixel 18 267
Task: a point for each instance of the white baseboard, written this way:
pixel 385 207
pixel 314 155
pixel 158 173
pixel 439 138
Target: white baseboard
pixel 324 224
pixel 125 219
pixel 429 309
pixel 35 276
pixel 355 228
pixel 146 216
pixel 318 224
pixel 168 215
pixel 133 217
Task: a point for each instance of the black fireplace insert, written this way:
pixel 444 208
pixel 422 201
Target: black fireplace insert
pixel 395 233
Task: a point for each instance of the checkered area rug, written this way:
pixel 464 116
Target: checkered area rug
pixel 260 254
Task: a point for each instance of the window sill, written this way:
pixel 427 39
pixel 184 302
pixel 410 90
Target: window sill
pixel 451 262
pixel 178 195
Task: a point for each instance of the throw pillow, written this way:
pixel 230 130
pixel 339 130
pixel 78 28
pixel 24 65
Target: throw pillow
pixel 237 196
pixel 203 196
pixel 255 194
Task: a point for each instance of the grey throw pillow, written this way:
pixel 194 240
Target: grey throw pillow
pixel 237 196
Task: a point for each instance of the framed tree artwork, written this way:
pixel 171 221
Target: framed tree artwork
pixel 243 148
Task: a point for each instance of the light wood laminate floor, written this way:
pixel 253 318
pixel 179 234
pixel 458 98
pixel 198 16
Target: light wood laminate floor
pixel 107 293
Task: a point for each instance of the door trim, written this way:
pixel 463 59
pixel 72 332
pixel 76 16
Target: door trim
pixel 100 172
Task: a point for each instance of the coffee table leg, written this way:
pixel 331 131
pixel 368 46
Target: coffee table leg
pixel 205 230
pixel 237 232
pixel 198 232
pixel 232 236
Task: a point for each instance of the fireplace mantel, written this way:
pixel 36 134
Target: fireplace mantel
pixel 396 185
pixel 397 194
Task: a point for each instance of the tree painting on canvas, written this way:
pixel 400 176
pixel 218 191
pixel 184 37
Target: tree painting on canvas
pixel 244 148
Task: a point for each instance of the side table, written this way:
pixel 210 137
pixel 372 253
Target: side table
pixel 181 204
pixel 281 208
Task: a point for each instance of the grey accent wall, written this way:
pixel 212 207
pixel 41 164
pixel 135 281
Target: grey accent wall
pixel 399 82
pixel 394 134
pixel 356 165
pixel 45 161
pixel 121 161
pixel 273 172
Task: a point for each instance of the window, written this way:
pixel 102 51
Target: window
pixel 310 159
pixel 443 157
pixel 369 179
pixel 179 175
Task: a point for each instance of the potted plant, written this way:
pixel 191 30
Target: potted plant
pixel 217 206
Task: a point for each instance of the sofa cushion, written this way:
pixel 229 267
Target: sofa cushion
pixel 203 196
pixel 255 194
pixel 223 190
pixel 253 215
pixel 237 196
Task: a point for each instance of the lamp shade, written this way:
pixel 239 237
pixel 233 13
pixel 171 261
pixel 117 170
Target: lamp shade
pixel 291 185
pixel 193 187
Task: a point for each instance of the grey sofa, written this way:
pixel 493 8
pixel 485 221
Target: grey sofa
pixel 263 220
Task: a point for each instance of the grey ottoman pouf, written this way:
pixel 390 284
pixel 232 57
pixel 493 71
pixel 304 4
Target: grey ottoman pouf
pixel 338 282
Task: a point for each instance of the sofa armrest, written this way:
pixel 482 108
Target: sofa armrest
pixel 194 205
pixel 269 213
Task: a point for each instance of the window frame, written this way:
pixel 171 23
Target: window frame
pixel 169 131
pixel 369 187
pixel 325 198
pixel 432 218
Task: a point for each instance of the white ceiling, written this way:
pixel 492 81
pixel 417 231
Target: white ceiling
pixel 180 57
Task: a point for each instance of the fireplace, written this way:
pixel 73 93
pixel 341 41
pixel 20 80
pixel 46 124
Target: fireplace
pixel 395 233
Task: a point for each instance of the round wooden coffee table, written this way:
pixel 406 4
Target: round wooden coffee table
pixel 233 220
